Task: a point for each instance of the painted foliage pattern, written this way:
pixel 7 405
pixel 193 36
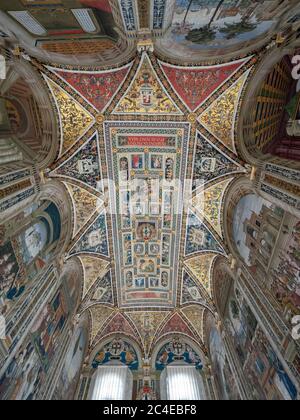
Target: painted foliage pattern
pixel 209 203
pixel 85 205
pixel 201 266
pixel 146 94
pixel 92 268
pixel 118 324
pixel 195 85
pixel 176 324
pixel 99 314
pixel 219 117
pixel 97 88
pixel 74 119
pixel 194 313
pixel 147 324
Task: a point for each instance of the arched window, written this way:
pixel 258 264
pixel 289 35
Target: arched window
pixel 85 19
pixel 111 382
pixel 181 367
pixel 182 382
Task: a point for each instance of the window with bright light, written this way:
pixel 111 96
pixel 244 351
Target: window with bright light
pixel 85 20
pixel 111 383
pixel 29 22
pixel 182 383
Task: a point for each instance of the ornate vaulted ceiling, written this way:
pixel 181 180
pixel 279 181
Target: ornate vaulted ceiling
pixel 147 154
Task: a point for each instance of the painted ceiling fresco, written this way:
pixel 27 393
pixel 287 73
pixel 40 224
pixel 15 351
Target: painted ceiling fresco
pixel 147 166
pixel 182 29
pixel 63 17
